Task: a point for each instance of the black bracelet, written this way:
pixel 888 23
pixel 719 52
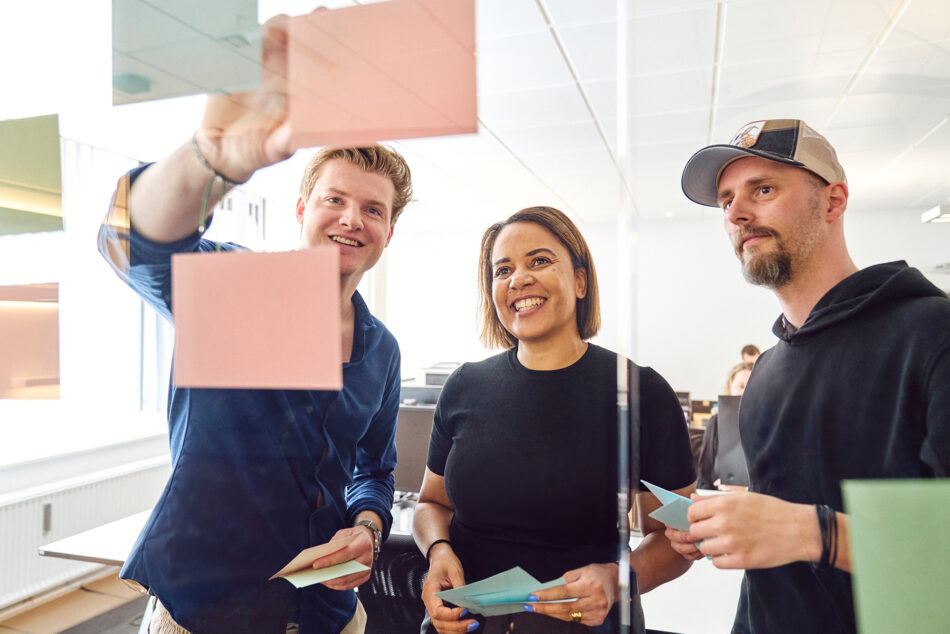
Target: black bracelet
pixel 828 526
pixel 833 518
pixel 433 544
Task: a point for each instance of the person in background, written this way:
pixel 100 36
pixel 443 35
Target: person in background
pixel 522 467
pixel 857 387
pixel 706 476
pixel 259 475
pixel 750 353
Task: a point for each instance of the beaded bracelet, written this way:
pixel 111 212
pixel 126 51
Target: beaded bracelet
pixel 215 175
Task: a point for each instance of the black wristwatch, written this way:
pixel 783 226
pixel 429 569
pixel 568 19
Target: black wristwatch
pixel 377 536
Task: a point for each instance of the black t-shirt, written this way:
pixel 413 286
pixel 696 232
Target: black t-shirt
pixel 530 460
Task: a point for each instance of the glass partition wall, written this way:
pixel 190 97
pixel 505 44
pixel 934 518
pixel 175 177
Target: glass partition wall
pixel 592 108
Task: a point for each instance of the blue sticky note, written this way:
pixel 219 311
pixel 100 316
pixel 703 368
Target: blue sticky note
pixel 674 509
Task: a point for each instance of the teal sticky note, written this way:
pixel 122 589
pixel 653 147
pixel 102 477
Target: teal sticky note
pixel 517 594
pixel 900 560
pixel 674 509
pixel 504 593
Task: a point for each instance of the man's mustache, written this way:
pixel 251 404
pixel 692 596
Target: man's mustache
pixel 752 232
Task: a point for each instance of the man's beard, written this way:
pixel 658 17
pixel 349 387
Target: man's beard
pixel 772 270
pixel 775 270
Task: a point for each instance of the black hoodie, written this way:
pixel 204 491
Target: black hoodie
pixel 860 391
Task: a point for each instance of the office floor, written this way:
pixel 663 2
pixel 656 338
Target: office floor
pixel 105 606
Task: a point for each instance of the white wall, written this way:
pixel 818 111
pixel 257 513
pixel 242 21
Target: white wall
pixel 696 311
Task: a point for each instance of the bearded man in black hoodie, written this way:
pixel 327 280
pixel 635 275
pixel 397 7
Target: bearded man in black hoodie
pixel 858 385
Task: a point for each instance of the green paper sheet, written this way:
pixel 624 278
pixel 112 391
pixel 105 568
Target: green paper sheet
pixel 309 576
pixel 899 555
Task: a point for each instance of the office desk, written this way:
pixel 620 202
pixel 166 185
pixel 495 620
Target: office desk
pixel 108 544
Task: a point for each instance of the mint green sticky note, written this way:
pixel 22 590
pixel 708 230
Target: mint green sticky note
pixel 900 558
pixel 674 509
pixel 310 576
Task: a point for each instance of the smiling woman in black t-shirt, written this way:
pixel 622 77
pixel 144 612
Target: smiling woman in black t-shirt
pixel 522 467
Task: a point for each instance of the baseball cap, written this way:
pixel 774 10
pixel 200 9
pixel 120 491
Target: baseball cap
pixel 788 141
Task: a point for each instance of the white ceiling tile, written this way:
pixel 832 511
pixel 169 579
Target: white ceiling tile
pixel 759 83
pixel 680 90
pixel 504 18
pixel 571 12
pixel 521 62
pixel 924 20
pixel 592 49
pixel 859 14
pixel 564 163
pixel 539 107
pixel 666 42
pixel 773 30
pixel 670 128
pixel 653 7
pixel 580 135
pixel 602 94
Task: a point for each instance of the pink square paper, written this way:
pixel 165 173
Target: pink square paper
pixel 258 320
pixel 387 70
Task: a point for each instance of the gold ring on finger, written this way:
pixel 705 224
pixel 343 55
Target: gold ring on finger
pixel 577 617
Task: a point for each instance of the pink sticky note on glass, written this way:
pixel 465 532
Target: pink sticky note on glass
pixel 258 320
pixel 387 70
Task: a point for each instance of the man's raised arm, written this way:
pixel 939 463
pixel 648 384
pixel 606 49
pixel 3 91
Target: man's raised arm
pixel 239 134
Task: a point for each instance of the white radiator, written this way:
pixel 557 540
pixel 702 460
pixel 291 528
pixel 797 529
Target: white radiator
pixel 30 519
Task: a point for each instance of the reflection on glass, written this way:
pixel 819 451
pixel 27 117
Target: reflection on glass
pixel 29 339
pixel 30 176
pixel 176 48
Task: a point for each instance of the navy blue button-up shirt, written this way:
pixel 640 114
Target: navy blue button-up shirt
pixel 248 467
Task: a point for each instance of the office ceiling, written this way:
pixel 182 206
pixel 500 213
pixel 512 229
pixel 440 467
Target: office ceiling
pixel 872 75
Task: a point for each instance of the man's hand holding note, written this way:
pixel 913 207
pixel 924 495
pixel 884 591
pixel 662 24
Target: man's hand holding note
pixel 334 564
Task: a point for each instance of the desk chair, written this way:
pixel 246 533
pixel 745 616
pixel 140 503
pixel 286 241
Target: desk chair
pixel 392 597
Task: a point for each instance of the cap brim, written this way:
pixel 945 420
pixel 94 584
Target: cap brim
pixel 701 175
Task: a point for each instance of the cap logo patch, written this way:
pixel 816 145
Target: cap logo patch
pixel 748 135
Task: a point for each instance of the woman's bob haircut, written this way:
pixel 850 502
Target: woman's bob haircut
pixel 494 335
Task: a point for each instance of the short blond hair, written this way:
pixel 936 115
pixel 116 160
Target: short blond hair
pixel 493 334
pixel 377 159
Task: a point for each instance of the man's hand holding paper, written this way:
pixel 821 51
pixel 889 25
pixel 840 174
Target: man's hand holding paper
pixel 359 548
pixel 751 530
pixel 243 132
pixel 336 564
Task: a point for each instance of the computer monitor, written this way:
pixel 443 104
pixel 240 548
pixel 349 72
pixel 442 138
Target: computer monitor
pixel 730 458
pixel 413 427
